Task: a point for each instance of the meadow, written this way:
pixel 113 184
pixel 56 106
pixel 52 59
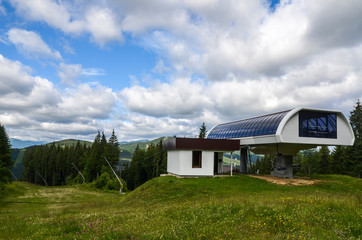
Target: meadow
pixel 239 207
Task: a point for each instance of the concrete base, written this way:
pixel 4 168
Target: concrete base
pixel 283 166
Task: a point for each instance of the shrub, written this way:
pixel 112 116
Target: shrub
pixel 106 182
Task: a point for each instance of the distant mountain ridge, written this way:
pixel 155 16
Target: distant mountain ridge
pixel 19 144
pixel 70 143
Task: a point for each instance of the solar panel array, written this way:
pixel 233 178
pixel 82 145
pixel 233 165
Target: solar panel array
pixel 257 126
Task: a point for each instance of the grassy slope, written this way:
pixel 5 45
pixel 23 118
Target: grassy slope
pixel 202 208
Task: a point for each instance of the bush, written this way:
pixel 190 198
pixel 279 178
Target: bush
pixel 5 175
pixel 106 182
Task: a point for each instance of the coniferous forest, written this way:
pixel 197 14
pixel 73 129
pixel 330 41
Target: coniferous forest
pixel 54 165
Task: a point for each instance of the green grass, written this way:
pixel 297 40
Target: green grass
pixel 237 207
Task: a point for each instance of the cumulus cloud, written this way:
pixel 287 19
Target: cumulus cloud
pixel 14 77
pixel 102 24
pixel 56 14
pixel 69 72
pixel 181 98
pixel 74 18
pixel 327 81
pixel 133 126
pixel 248 60
pixel 31 43
pixel 33 103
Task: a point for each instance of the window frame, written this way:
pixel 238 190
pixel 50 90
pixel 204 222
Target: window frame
pixel 197 154
pixel 312 125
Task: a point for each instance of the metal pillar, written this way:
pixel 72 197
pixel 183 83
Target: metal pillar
pixel 243 161
pixel 283 166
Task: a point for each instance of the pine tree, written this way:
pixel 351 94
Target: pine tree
pixel 310 161
pixel 92 166
pixel 353 158
pixel 337 159
pixel 5 157
pixel 324 160
pixel 112 150
pixel 203 131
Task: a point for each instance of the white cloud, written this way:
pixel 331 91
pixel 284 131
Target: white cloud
pixel 181 98
pixel 74 18
pixel 69 72
pixel 135 126
pixel 56 14
pixel 103 26
pixel 31 103
pixel 250 60
pixel 14 77
pixel 31 43
pixel 327 81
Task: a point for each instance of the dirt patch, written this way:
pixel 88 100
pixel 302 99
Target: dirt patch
pixel 296 181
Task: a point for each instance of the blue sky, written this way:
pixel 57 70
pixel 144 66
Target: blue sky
pixel 161 68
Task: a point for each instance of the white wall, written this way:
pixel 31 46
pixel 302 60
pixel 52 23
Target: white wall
pixel 173 162
pixel 180 162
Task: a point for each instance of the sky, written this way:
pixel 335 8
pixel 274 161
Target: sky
pixel 147 69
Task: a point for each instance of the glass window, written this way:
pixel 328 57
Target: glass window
pixel 317 124
pixel 196 159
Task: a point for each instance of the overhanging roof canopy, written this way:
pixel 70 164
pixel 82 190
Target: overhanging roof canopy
pixel 201 144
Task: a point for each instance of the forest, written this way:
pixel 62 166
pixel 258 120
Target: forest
pixel 54 165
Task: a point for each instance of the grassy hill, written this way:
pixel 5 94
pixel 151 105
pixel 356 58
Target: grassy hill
pixel 239 207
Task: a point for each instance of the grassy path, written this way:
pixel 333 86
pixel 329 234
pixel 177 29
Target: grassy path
pixel 169 208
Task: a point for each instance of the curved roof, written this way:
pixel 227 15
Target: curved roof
pixel 256 126
pixel 289 131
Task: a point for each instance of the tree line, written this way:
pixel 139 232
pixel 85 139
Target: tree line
pixel 146 164
pixel 5 157
pixel 55 165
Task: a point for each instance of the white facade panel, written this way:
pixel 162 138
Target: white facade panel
pixel 179 162
pixel 173 162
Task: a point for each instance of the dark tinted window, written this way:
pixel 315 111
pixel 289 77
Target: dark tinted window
pixel 196 159
pixel 317 124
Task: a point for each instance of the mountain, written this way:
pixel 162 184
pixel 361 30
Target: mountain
pixel 70 143
pixel 19 144
pixel 143 144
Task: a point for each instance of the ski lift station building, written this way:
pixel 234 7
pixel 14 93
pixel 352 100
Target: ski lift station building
pixel 282 134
